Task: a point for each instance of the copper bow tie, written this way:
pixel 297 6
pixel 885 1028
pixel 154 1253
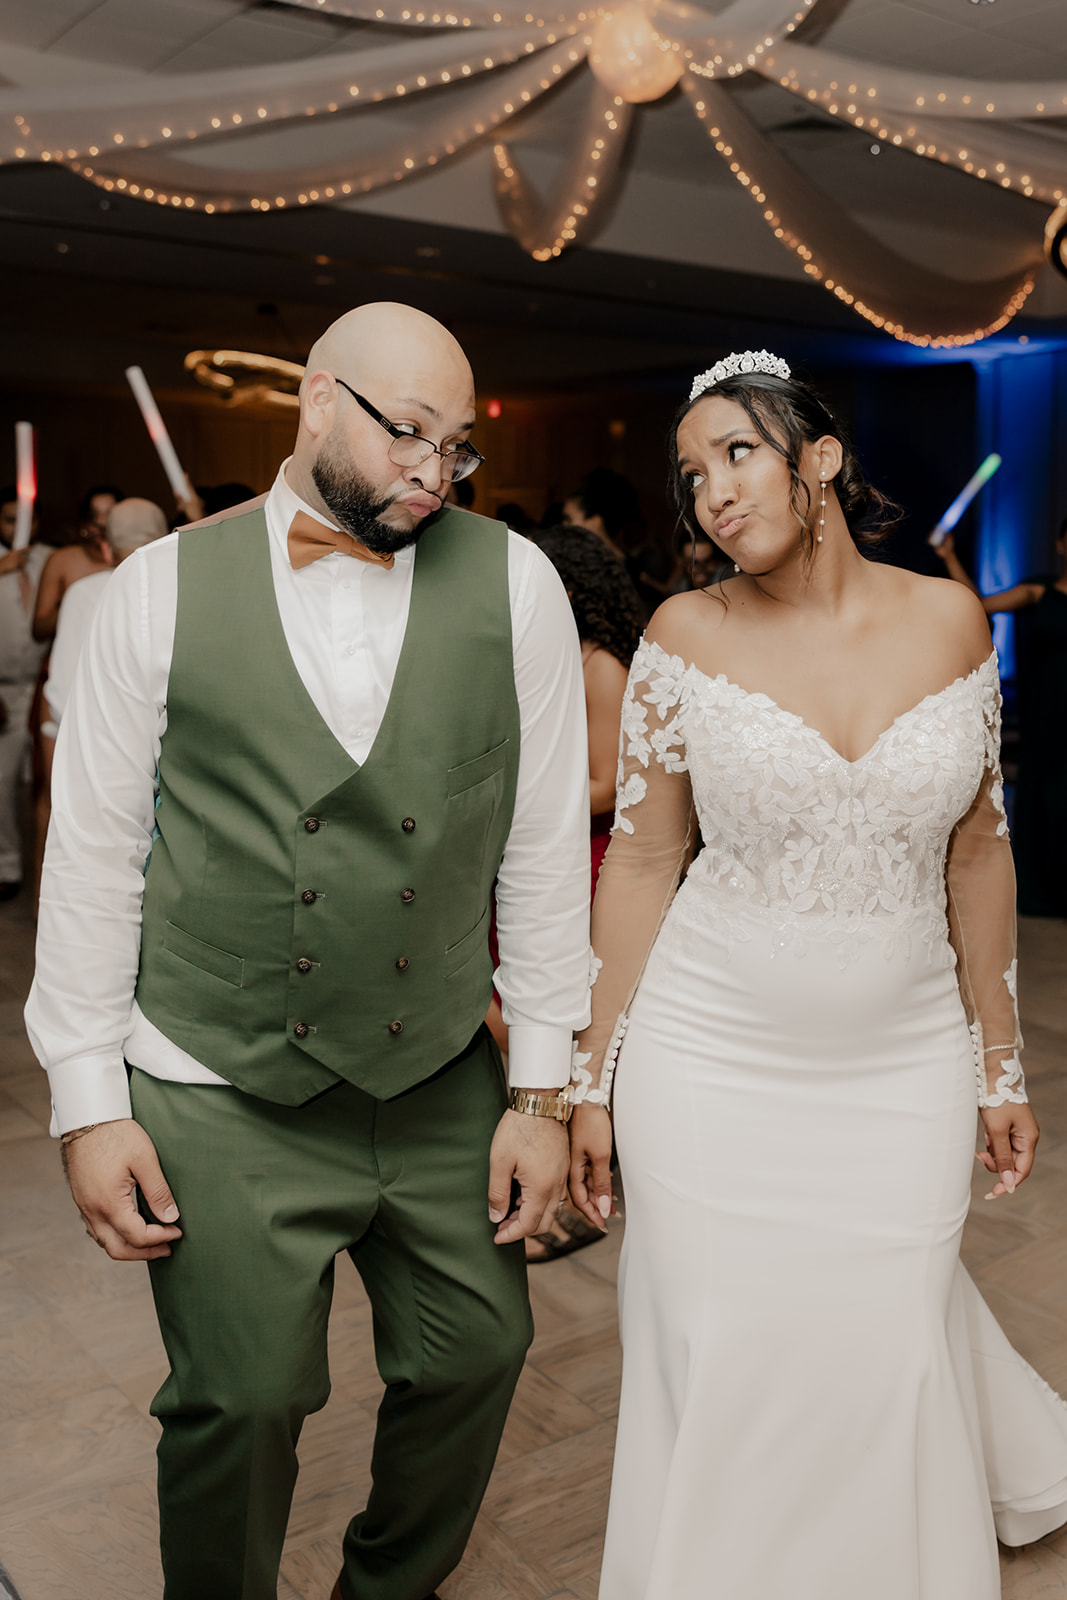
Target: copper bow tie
pixel 310 539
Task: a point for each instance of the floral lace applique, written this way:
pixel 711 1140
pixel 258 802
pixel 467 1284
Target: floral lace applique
pixel 1010 1086
pixel 795 834
pixel 582 1088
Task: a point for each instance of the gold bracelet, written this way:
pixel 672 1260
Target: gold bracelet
pixel 78 1133
pixel 535 1104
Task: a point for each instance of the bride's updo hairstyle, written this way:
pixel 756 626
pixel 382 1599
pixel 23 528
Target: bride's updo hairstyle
pixel 787 415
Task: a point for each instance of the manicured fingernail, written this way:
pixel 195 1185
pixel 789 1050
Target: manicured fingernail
pixel 991 1196
pixel 495 1216
pixel 1008 1180
pixel 604 1206
pixel 171 1214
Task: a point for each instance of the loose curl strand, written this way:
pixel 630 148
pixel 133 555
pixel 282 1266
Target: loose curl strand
pixel 787 415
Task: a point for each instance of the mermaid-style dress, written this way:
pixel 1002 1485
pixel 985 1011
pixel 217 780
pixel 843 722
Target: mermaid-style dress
pixel 816 1402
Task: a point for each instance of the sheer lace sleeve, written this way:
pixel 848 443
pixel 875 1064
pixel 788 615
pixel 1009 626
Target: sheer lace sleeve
pixel 981 912
pixel 651 845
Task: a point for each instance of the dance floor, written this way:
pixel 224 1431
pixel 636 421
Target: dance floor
pixel 80 1360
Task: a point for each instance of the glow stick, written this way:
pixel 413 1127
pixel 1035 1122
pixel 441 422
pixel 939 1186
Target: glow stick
pixel 26 479
pixel 972 487
pixel 180 486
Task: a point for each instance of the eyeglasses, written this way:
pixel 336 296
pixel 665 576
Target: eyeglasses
pixel 411 449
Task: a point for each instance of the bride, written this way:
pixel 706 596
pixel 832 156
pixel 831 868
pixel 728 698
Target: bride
pixel 816 1403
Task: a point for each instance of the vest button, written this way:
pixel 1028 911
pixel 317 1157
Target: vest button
pixel 311 824
pixel 309 897
pixel 408 824
pixel 396 1027
pixel 407 895
pixel 303 965
pixel 301 1030
pixel 402 963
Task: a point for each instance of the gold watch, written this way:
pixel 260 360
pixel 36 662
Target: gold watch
pixel 535 1104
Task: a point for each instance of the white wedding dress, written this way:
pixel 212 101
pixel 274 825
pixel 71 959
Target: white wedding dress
pixel 816 1402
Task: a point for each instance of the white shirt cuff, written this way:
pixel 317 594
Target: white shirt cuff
pixel 539 1057
pixel 88 1089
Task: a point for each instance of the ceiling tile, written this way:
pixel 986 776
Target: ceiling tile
pixel 257 38
pixel 141 33
pixel 37 22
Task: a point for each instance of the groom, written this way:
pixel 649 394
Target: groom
pixel 327 722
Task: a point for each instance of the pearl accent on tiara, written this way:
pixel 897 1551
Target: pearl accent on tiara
pixel 734 366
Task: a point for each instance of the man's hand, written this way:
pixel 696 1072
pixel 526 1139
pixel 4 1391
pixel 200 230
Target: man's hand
pixel 13 561
pixel 1011 1135
pixel 532 1151
pixel 105 1169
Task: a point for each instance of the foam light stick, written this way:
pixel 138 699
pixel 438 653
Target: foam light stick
pixel 180 486
pixel 971 488
pixel 26 480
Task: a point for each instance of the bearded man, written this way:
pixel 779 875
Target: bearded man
pixel 327 721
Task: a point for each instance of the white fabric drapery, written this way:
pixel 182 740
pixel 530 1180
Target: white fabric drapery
pixel 165 138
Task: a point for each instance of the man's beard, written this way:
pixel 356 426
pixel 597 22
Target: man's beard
pixel 350 499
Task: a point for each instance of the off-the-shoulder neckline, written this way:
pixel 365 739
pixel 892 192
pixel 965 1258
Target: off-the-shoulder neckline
pixel 982 671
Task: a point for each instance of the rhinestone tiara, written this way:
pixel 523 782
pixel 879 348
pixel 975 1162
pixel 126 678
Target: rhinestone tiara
pixel 737 364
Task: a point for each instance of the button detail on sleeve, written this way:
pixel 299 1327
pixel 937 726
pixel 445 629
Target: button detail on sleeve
pixel 407 895
pixel 309 897
pixel 301 1030
pixel 303 965
pixel 312 824
pixel 402 963
pixel 395 1028
pixel 408 824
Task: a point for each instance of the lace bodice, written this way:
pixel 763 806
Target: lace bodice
pixel 885 847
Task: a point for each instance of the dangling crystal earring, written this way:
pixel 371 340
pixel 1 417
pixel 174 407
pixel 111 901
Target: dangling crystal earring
pixel 822 509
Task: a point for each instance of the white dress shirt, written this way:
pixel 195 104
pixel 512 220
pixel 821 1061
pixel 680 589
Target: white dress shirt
pixel 344 622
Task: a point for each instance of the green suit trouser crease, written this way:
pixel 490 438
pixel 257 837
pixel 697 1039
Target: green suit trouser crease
pixel 269 1195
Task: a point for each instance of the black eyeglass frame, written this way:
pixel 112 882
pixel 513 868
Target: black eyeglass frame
pixel 458 453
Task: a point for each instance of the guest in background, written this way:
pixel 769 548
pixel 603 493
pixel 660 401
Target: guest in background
pixel 93 512
pixel 609 619
pixel 87 554
pixel 699 563
pixel 208 500
pixel 460 494
pixel 1039 833
pixel 516 518
pixel 20 661
pixel 130 524
pixel 223 496
pixel 607 504
pixel 608 616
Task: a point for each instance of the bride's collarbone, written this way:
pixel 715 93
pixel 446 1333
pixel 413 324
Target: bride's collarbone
pixel 849 698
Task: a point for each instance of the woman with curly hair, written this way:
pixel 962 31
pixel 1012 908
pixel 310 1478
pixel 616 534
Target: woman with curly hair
pixel 609 618
pixel 608 615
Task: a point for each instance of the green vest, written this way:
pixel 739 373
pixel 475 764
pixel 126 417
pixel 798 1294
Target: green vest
pixel 307 919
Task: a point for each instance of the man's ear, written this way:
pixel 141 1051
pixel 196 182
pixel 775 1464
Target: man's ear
pixel 318 400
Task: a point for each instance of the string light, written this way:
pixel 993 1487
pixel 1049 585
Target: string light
pixel 816 272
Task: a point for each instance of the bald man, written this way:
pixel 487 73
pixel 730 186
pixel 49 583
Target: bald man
pixel 304 740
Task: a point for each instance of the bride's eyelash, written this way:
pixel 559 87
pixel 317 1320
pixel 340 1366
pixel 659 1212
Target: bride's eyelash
pixel 742 444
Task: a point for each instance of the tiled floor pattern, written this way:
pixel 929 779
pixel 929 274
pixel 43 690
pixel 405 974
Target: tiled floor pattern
pixel 80 1359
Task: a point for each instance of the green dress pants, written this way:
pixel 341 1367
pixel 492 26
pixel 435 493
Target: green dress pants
pixel 269 1195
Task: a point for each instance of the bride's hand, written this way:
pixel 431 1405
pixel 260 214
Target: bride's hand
pixel 590 1174
pixel 1011 1135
